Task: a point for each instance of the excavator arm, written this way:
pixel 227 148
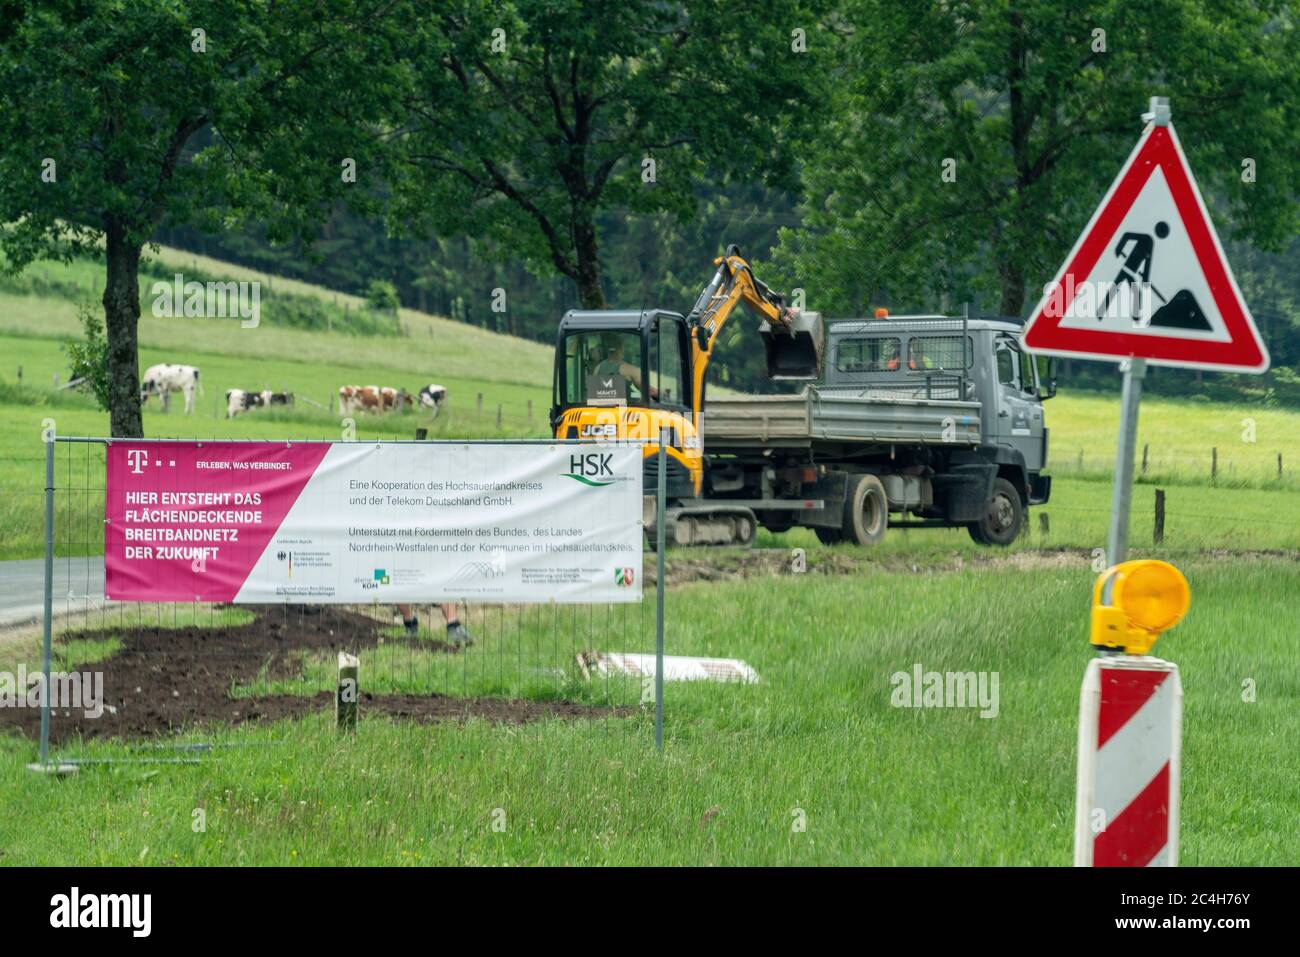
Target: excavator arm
pixel 792 339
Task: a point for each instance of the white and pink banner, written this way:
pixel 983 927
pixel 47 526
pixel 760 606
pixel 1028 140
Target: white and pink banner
pixel 348 522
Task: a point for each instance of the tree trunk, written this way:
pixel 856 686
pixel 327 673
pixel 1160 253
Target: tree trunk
pixel 1013 289
pixel 121 318
pixel 585 247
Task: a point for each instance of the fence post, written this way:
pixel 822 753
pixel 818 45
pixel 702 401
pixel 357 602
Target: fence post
pixel 1279 465
pixel 1214 463
pixel 49 598
pixel 346 699
pixel 1145 449
pixel 1158 533
pixel 662 546
pixel 1044 526
pixel 498 415
pixel 478 404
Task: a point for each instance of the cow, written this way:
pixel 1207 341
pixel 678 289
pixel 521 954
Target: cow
pixel 239 400
pixel 372 398
pixel 432 396
pixel 164 379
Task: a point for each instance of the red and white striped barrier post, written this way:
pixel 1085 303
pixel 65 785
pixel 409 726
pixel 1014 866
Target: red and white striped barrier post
pixel 1130 734
pixel 1130 723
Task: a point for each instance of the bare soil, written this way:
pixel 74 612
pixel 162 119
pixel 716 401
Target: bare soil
pixel 164 680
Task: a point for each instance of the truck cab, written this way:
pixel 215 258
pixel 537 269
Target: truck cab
pixel 937 357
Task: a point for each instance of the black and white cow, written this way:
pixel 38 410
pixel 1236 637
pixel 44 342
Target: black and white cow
pixel 164 379
pixel 432 396
pixel 238 400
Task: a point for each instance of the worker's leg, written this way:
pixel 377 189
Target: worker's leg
pixel 409 620
pixel 456 632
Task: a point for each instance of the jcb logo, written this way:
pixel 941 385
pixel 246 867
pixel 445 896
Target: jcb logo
pixel 592 469
pixel 607 431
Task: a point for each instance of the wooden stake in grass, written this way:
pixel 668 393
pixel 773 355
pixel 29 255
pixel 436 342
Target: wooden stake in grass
pixel 1044 526
pixel 1158 532
pixel 1214 463
pixel 1145 449
pixel 348 694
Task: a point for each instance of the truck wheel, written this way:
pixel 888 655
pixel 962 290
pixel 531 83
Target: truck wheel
pixel 866 511
pixel 1002 518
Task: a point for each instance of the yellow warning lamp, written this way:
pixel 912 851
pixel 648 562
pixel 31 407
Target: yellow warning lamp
pixel 1147 597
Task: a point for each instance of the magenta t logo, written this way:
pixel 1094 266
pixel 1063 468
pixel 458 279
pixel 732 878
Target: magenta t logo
pixel 136 458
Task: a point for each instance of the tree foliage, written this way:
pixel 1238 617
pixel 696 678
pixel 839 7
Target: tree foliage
pixel 117 116
pixel 524 121
pixel 1031 108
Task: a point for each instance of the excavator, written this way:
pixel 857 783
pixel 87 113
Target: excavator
pixel 629 374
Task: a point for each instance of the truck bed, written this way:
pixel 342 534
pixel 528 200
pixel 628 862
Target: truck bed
pixel 837 416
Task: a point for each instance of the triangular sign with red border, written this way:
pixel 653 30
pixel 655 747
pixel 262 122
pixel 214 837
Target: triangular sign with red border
pixel 1148 277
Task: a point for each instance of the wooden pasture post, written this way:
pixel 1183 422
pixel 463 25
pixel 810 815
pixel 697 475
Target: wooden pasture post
pixel 348 694
pixel 1145 449
pixel 1158 530
pixel 1044 526
pixel 1214 463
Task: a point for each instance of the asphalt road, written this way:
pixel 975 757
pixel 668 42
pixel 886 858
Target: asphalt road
pixel 75 581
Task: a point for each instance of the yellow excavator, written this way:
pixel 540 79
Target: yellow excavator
pixel 629 374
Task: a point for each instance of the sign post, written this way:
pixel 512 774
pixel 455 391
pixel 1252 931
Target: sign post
pixel 1135 371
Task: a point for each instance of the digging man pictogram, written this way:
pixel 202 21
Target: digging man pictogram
pixel 1137 249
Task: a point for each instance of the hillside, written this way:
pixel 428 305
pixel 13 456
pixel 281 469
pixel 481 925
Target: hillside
pixel 509 373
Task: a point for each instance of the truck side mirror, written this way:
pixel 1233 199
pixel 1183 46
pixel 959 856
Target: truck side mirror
pixel 1051 378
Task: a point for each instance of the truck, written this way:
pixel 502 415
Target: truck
pixel 920 421
pixel 934 420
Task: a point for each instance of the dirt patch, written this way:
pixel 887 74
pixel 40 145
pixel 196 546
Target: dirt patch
pixel 685 569
pixel 164 680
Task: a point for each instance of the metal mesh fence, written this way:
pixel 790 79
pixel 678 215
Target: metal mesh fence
pixel 197 669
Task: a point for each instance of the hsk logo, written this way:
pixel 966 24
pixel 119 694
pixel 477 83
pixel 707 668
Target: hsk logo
pixel 75 910
pixel 592 469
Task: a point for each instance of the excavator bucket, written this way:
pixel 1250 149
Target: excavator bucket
pixel 794 352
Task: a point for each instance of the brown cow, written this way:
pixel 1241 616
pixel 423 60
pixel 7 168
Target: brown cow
pixel 372 398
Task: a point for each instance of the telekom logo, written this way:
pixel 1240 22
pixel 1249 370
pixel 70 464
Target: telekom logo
pixel 137 458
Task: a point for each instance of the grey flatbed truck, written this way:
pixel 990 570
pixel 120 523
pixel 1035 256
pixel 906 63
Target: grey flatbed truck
pixel 919 421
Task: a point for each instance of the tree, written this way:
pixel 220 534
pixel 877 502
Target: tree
pixel 524 120
pixel 117 116
pixel 972 140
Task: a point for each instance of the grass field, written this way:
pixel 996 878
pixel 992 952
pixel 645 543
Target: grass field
pixel 816 740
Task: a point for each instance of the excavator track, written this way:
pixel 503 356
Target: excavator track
pixel 707 526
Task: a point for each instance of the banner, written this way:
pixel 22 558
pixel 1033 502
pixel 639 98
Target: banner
pixel 320 522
